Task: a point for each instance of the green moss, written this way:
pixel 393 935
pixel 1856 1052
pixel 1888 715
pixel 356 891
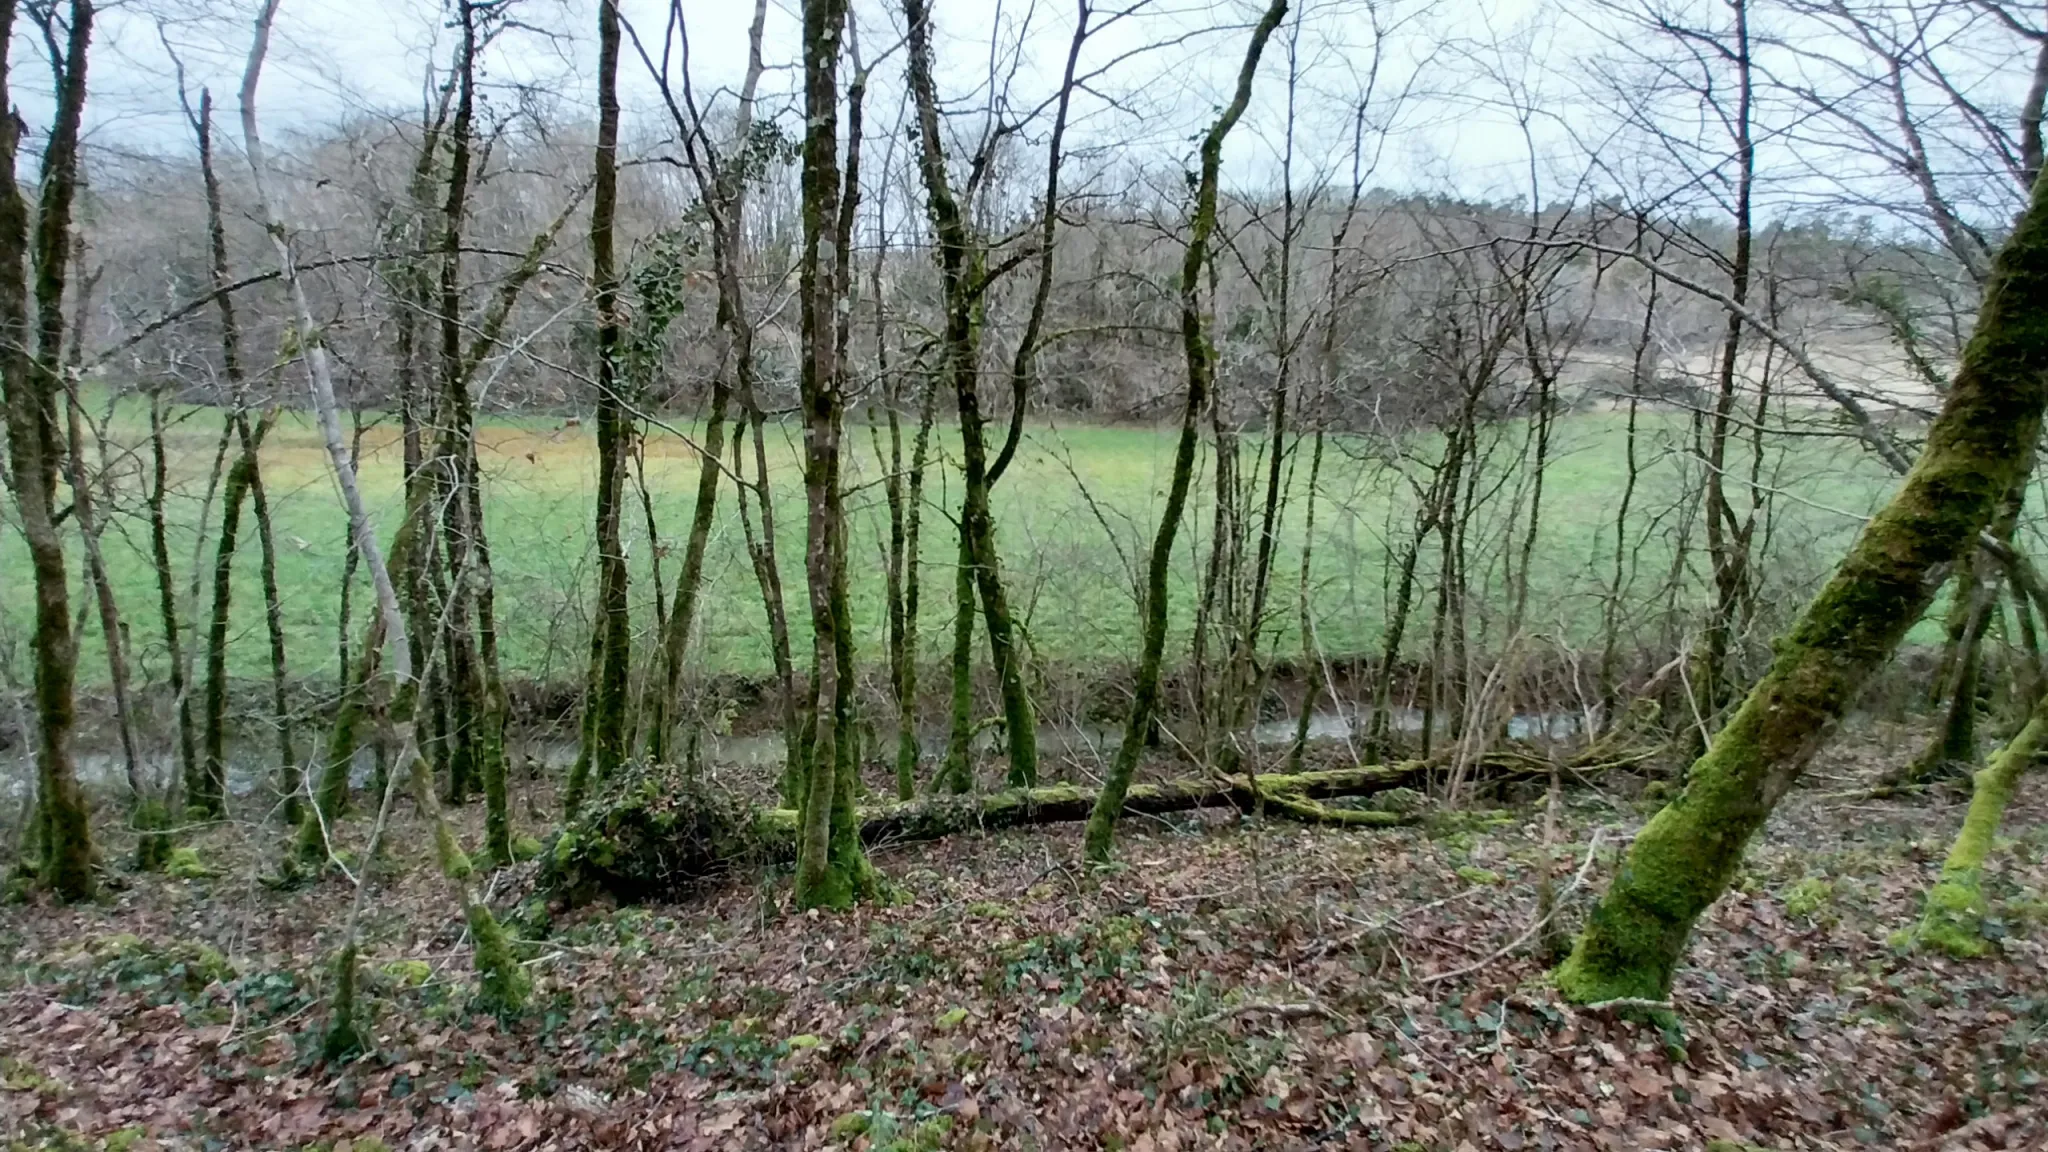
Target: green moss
pixel 1472 875
pixel 116 946
pixel 527 848
pixel 1809 896
pixel 184 864
pixel 502 984
pixel 408 973
pixel 1953 919
pixel 655 832
pixel 850 1126
pixel 1978 452
pixel 18 1075
pixel 152 844
pixel 168 968
pixel 564 851
pixel 343 1039
pixel 1406 801
pixel 453 860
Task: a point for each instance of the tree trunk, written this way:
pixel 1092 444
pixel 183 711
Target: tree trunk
pixel 1643 368
pixel 963 270
pixel 330 793
pixel 1311 652
pixel 497 706
pixel 660 836
pixel 1953 920
pixel 32 386
pixel 661 708
pixel 205 790
pixel 1977 449
pixel 1201 373
pixel 86 514
pixel 289 774
pixel 167 592
pixel 604 724
pixel 503 983
pixel 768 576
pixel 832 870
pixel 957 775
pixel 1728 536
pixel 207 795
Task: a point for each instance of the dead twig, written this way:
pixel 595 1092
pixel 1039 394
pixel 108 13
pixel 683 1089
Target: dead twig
pixel 1585 866
pixel 1284 1010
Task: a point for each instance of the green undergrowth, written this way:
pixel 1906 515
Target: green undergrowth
pixel 653 833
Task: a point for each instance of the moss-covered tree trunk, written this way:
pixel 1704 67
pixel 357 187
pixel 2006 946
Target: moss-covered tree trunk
pixel 503 983
pixel 85 512
pixel 475 696
pixel 33 386
pixel 832 869
pixel 577 786
pixel 657 834
pixel 231 358
pixel 768 577
pixel 903 491
pixel 661 709
pixel 1959 683
pixel 1977 449
pixel 1728 534
pixel 207 794
pixel 205 782
pixel 1953 920
pixel 1955 744
pixel 1201 361
pixel 1311 651
pixel 167 591
pixel 497 705
pixel 329 798
pixel 722 182
pixel 957 773
pixel 604 733
pixel 964 274
pixel 289 781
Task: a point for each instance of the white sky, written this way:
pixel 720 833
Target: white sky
pixel 338 58
pixel 1460 64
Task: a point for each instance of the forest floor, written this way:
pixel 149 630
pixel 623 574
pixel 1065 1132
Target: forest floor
pixel 1226 985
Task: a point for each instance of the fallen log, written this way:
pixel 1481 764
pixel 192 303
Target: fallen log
pixel 655 834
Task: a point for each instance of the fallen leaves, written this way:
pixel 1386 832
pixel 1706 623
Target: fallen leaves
pixel 1240 988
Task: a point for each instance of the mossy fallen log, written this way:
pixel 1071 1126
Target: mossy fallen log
pixel 656 834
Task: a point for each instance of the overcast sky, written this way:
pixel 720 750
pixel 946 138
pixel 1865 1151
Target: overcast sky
pixel 1448 76
pixel 1172 65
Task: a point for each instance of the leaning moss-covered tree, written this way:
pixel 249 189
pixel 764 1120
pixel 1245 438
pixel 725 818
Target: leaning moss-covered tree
pixel 1953 921
pixel 32 377
pixel 502 983
pixel 1977 449
pixel 1201 364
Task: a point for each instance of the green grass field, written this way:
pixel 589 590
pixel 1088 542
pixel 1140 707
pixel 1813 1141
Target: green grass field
pixel 1071 575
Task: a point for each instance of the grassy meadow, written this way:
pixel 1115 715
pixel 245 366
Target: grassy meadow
pixel 1075 514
